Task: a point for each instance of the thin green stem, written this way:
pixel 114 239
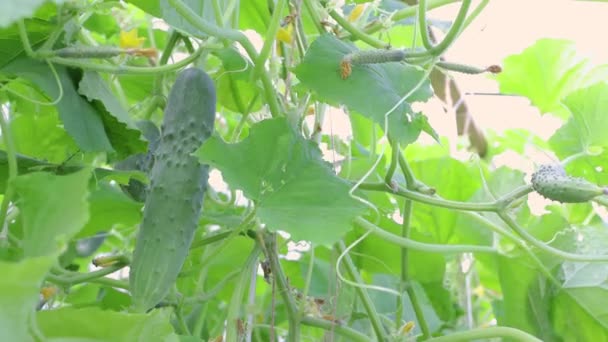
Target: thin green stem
pixel 269 241
pixel 449 38
pixel 366 300
pixel 236 302
pixel 394 161
pixel 425 247
pixel 27 46
pixel 346 332
pixel 480 7
pixel 67 278
pixel 431 200
pixel 307 281
pixel 405 13
pixel 126 69
pixel 545 247
pixel 356 32
pixel 164 58
pixel 314 15
pixel 232 35
pixel 211 238
pixel 408 174
pixel 424 326
pixel 486 334
pixel 269 39
pixel 13 170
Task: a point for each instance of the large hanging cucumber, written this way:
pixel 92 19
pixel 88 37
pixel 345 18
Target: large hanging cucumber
pixel 552 182
pixel 177 184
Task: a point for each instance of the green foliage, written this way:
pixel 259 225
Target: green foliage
pixel 303 234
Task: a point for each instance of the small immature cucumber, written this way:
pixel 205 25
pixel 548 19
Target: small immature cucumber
pixel 552 182
pixel 177 185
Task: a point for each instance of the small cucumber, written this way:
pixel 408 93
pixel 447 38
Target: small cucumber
pixel 177 184
pixel 552 182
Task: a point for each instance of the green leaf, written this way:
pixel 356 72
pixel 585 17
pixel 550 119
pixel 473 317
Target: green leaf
pixel 19 285
pixel 13 10
pixel 48 222
pixel 545 73
pixel 574 322
pixel 94 324
pixel 95 88
pixel 371 89
pixel 80 119
pixel 453 180
pixel 295 190
pixel 149 6
pixel 110 207
pixel 235 89
pixel 254 15
pixel 38 31
pixel 587 127
pixel 525 298
pixel 203 9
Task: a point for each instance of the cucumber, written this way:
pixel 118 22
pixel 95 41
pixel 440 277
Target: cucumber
pixel 177 184
pixel 552 182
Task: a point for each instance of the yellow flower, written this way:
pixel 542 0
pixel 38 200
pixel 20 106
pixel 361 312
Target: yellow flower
pixel 356 12
pixel 285 34
pixel 130 40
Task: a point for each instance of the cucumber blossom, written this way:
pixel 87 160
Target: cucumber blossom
pixel 552 182
pixel 177 184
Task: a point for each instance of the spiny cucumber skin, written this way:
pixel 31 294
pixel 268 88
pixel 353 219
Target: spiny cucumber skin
pixel 177 186
pixel 552 182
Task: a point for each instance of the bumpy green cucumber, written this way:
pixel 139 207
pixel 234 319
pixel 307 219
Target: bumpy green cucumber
pixel 177 185
pixel 552 182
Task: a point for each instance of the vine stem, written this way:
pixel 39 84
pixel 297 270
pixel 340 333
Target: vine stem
pixel 270 37
pixel 545 247
pixel 425 247
pixel 356 32
pixel 431 200
pixel 403 14
pixel 13 170
pixel 449 38
pixel 233 35
pixel 487 333
pixel 368 304
pixel 232 331
pixel 66 278
pixel 268 242
pixel 346 332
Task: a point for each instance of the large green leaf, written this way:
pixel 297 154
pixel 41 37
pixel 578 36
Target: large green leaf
pixel 53 208
pixel 95 88
pixel 203 8
pixel 79 118
pixel 545 73
pixel 295 190
pixel 453 180
pixel 371 89
pixel 19 286
pixel 10 43
pixel 109 207
pixel 586 129
pixel 574 322
pixel 94 324
pixel 525 297
pixel 13 10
